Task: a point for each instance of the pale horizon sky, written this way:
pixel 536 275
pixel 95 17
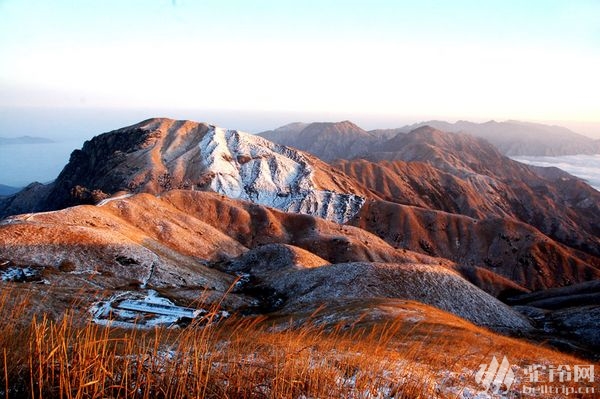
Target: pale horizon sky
pixel 393 60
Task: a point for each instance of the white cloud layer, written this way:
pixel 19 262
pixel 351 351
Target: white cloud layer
pixel 586 167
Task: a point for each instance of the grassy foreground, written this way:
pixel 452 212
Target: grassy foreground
pixel 248 358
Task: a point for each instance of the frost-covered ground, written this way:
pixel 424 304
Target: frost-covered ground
pixel 586 167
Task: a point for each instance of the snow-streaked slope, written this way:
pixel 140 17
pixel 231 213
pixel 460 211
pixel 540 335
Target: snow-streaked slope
pixel 249 167
pixel 160 154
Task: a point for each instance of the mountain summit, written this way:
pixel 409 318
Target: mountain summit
pixel 161 154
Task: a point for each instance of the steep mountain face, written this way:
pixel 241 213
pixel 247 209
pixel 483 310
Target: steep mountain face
pixel 565 202
pixel 161 154
pixel 516 138
pixel 248 167
pixel 328 141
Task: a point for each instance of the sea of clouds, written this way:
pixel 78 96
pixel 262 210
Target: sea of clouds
pixel 586 167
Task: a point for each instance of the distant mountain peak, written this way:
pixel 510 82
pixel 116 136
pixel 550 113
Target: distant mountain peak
pixel 293 125
pixel 426 129
pixel 326 140
pixel 513 137
pixel 334 128
pixel 341 124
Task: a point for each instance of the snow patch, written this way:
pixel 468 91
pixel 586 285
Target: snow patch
pixel 107 200
pixel 131 309
pixel 22 274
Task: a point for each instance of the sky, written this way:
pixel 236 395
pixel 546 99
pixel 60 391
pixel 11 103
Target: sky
pixel 382 62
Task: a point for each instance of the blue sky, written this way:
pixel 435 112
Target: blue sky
pixel 532 60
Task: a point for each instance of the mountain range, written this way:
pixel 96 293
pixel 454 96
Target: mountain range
pixel 511 138
pixel 444 219
pixel 8 190
pixel 514 138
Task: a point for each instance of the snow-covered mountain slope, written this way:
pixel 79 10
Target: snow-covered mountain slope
pixel 161 154
pixel 252 168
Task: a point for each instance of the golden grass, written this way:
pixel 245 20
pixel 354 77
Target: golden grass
pixel 246 358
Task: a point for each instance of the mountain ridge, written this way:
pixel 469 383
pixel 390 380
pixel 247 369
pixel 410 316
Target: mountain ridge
pixel 160 154
pixel 516 138
pixel 511 137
